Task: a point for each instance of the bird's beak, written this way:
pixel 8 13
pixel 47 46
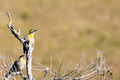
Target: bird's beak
pixel 35 30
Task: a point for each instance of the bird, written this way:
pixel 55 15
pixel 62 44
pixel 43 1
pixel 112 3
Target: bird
pixel 29 39
pixel 17 66
pixel 110 74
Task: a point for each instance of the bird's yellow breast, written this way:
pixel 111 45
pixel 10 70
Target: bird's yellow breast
pixel 31 36
pixel 22 60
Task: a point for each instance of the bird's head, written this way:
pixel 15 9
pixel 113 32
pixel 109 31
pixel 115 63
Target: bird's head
pixel 32 31
pixel 22 58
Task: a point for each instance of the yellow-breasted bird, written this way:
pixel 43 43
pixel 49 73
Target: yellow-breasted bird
pixel 29 39
pixel 17 66
pixel 110 74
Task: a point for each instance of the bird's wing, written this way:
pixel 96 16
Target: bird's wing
pixel 14 67
pixel 17 65
pixel 26 37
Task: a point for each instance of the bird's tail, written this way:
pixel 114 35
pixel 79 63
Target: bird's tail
pixel 24 49
pixel 7 76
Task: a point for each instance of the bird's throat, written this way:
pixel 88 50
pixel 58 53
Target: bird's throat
pixel 23 61
pixel 31 36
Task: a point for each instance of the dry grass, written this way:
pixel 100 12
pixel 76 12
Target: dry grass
pixel 65 27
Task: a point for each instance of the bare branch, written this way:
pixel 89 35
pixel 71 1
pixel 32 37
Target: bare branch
pixel 82 70
pixel 28 47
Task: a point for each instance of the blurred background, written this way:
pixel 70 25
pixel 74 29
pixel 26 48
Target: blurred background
pixel 65 29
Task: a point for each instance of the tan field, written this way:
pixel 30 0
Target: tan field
pixel 65 28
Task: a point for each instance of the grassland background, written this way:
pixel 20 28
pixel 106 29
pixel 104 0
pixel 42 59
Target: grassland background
pixel 65 28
